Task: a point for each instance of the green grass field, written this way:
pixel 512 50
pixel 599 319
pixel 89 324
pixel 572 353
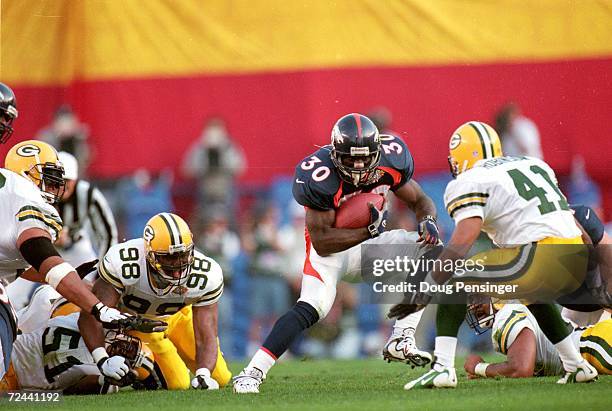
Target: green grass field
pixel 357 384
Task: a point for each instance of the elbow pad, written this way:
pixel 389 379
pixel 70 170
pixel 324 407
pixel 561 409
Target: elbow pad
pixel 36 250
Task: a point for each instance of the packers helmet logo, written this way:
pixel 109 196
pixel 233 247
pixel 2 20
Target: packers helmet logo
pixel 28 150
pixel 454 141
pixel 148 234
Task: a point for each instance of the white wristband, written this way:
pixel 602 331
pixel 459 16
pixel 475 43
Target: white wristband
pixel 204 372
pixel 481 369
pixel 98 354
pixel 57 274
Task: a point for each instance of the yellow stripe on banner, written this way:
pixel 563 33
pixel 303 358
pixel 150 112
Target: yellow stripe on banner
pixel 56 41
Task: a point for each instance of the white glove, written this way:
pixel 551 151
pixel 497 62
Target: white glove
pixel 108 316
pixel 106 387
pixel 204 381
pixel 114 367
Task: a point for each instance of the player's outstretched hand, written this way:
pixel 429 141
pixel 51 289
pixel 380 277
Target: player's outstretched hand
pixel 109 317
pixel 399 311
pixel 142 324
pixel 428 230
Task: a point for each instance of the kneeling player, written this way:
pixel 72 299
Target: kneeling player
pixel 55 357
pixel 358 160
pixel 161 276
pixel 516 334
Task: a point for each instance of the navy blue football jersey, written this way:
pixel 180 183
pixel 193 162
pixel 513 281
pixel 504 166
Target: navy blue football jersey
pixel 317 183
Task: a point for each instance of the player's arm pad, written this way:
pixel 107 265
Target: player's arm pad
pixel 36 250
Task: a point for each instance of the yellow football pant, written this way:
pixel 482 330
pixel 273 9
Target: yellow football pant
pixel 596 346
pixel 174 352
pixel 541 272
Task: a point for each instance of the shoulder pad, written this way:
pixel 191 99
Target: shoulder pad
pixel 129 254
pixel 396 159
pixel 206 279
pixel 316 181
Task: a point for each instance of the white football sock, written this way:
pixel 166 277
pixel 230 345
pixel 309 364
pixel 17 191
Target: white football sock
pixel 262 360
pixel 444 352
pixel 410 321
pixel 569 354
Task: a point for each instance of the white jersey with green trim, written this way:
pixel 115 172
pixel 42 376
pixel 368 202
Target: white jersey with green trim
pixel 53 357
pixel 125 267
pixel 517 198
pixel 514 318
pixel 23 207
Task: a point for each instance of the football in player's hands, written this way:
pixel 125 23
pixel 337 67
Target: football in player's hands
pixel 355 212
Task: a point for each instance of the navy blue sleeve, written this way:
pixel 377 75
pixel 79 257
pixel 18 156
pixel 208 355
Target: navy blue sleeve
pixel 316 182
pixel 407 170
pixel 308 196
pixel 590 222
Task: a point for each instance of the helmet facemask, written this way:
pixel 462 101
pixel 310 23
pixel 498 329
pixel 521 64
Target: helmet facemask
pixel 480 317
pixel 49 177
pixel 7 116
pixel 357 167
pixel 170 270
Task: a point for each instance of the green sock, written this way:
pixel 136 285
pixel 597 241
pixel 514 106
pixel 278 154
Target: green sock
pixel 449 318
pixel 550 321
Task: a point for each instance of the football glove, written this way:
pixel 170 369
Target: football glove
pixel 428 230
pixel 109 317
pixel 204 381
pixel 86 268
pixel 378 220
pixel 115 367
pixel 141 324
pixel 399 311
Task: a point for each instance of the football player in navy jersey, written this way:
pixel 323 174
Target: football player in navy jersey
pixel 358 160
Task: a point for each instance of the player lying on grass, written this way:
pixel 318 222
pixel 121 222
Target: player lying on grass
pixel 55 357
pixel 517 202
pixel 161 276
pixel 358 160
pixel 516 334
pixel 31 182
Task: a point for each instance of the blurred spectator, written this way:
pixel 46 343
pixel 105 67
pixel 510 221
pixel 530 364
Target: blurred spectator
pixel 293 243
pixel 336 335
pixel 519 135
pixel 217 241
pixel 67 133
pixel 142 196
pixel 215 161
pixel 270 292
pixel 381 116
pixel 581 189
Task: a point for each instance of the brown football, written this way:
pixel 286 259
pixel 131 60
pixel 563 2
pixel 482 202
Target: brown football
pixel 355 213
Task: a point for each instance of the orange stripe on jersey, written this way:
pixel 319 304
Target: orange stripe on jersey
pixel 397 176
pixel 338 194
pixel 308 268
